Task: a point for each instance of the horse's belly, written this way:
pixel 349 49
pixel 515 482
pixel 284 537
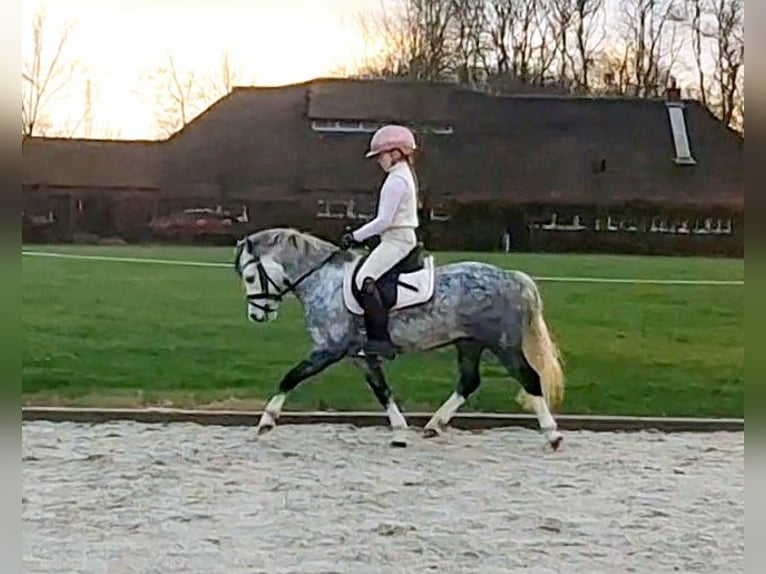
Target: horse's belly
pixel 423 334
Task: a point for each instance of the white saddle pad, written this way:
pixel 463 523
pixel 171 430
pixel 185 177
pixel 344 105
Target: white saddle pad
pixel 418 288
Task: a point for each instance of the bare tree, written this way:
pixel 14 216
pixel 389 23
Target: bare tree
pixel 652 42
pixel 470 42
pixel 500 23
pixel 416 41
pixel 700 32
pixel 546 48
pixel 180 94
pixel 519 40
pixel 526 25
pixel 87 114
pixel 587 15
pixel 560 17
pixel 739 112
pixel 429 23
pixel 716 31
pixel 223 80
pixel 182 97
pixel 730 61
pixel 45 74
pixel 574 39
pixel 390 59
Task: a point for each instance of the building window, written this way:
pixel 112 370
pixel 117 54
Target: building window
pixel 341 209
pixel 680 135
pixel 351 126
pixel 332 209
pixel 340 126
pixel 436 214
pixel 707 226
pixel 574 224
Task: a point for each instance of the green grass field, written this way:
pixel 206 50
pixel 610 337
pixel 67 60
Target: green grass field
pixel 128 334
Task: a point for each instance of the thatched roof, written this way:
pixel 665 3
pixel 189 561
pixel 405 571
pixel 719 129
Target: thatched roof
pixel 399 101
pixel 524 148
pixel 85 163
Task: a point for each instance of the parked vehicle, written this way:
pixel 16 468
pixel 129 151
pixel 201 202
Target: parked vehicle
pixel 198 225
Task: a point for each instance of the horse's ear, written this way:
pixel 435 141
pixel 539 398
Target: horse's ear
pixel 249 245
pixel 294 240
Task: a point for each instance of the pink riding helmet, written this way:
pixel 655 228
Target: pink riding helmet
pixel 392 137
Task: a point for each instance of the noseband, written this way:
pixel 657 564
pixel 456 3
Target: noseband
pixel 279 293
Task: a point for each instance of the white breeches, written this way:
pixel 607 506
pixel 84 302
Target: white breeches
pixel 394 245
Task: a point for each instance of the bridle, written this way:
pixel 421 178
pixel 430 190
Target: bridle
pixel 279 291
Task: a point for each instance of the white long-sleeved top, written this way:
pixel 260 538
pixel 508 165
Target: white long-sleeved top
pixel 397 206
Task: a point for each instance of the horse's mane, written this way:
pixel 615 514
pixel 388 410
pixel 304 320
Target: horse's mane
pixel 266 239
pixel 281 236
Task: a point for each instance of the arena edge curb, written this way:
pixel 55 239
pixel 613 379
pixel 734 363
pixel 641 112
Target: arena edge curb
pixel 463 421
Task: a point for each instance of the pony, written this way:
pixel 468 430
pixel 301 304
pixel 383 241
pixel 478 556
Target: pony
pixel 474 306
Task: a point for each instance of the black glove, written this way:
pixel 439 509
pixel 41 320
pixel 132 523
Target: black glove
pixel 347 241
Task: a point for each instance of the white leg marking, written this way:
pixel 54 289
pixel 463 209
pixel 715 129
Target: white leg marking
pixel 445 412
pixel 271 412
pixel 395 417
pixel 547 423
pixel 398 425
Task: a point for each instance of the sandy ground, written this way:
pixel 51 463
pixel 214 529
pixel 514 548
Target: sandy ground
pixel 127 497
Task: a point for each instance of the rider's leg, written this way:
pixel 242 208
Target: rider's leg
pixel 375 320
pixel 382 258
pixel 394 246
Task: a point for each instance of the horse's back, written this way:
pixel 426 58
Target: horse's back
pixel 480 271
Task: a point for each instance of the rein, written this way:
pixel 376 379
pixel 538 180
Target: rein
pixel 288 285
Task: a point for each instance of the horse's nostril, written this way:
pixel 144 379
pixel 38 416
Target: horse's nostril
pixel 253 317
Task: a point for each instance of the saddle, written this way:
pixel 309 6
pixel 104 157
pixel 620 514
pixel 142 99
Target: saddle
pixel 409 283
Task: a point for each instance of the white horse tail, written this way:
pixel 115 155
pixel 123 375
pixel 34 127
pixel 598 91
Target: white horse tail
pixel 540 349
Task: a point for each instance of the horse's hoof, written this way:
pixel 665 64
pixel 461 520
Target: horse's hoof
pixel 430 432
pixel 263 429
pixel 399 439
pixel 555 442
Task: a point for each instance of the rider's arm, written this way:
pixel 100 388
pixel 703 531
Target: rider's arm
pixel 394 188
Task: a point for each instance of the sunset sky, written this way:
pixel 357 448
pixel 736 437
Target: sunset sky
pixel 271 42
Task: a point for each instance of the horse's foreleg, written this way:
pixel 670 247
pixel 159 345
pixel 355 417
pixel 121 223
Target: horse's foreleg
pixel 468 357
pixel 373 374
pixel 316 362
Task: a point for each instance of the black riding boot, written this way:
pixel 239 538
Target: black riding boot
pixel 376 322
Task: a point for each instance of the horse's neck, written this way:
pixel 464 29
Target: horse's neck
pixel 301 267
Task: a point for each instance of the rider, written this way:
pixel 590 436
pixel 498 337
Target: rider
pixel 396 220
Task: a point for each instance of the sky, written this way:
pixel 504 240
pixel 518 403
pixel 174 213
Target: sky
pixel 271 42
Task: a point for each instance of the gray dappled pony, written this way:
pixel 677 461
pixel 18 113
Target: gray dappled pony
pixel 475 306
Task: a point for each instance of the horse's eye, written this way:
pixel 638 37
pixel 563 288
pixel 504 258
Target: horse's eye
pixel 250 279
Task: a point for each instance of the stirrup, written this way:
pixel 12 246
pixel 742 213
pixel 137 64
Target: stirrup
pixel 385 349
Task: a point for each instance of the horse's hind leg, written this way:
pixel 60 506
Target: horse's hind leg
pixel 518 366
pixel 468 357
